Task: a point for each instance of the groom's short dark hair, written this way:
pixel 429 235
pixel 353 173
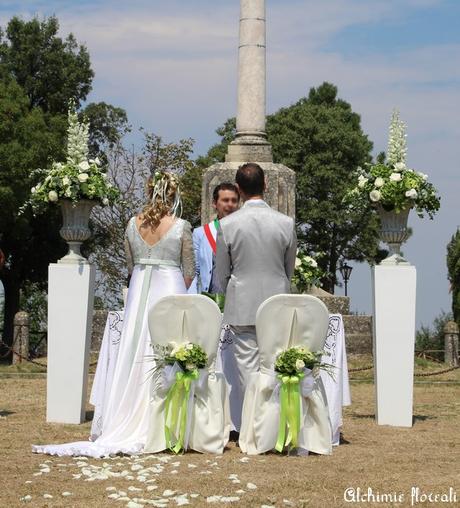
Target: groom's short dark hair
pixel 250 179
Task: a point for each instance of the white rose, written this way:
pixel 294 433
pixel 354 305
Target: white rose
pixel 52 196
pixel 33 190
pixel 190 366
pixel 311 261
pixel 84 166
pixel 362 180
pixel 375 195
pixel 97 161
pixel 82 177
pixel 189 346
pixel 299 364
pixel 395 177
pixel 298 262
pixel 412 193
pixel 105 201
pixel 66 180
pixel 379 182
pixel 400 166
pixel 68 193
pixel 423 176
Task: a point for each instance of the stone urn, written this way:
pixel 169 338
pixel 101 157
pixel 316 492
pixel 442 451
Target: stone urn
pixel 75 230
pixel 393 231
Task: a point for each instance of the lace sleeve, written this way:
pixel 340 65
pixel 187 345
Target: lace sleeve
pixel 128 254
pixel 187 254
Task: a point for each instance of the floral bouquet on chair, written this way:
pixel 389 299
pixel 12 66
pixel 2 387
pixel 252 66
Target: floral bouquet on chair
pixel 181 364
pixel 294 369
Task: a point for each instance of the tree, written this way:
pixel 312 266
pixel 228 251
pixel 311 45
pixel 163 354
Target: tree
pixel 39 74
pixel 321 139
pixel 51 71
pixel 453 269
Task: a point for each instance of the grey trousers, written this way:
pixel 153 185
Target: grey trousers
pixel 246 361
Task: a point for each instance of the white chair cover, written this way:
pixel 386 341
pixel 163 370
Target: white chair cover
pixel 197 319
pixel 284 321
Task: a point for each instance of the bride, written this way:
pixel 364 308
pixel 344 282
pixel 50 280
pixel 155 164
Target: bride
pixel 160 259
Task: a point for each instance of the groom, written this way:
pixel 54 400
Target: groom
pixel 256 251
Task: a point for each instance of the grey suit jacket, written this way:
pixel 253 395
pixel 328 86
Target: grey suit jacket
pixel 255 258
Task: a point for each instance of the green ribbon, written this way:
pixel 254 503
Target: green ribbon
pixel 219 298
pixel 176 403
pixel 290 400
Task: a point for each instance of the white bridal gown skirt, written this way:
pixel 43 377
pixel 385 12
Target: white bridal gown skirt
pixel 127 408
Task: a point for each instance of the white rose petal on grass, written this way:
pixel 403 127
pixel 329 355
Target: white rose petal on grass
pixel 375 196
pixel 113 496
pixel 52 196
pixel 251 486
pixel 244 459
pixel 379 182
pixel 191 466
pixel 132 504
pixel 151 487
pixel 240 491
pixel 47 496
pixel 26 499
pixel 111 488
pixel 28 481
pixel 395 177
pixel 168 493
pixel 134 489
pixel 82 177
pixel 66 494
pixel 412 193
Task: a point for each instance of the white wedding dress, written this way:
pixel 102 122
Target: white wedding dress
pixel 157 271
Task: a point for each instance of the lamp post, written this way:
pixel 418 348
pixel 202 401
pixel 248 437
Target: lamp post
pixel 345 271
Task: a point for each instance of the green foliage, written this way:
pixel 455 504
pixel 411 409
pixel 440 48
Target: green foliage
pixel 427 338
pixel 321 139
pixel 453 269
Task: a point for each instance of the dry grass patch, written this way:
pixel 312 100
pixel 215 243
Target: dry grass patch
pixel 384 458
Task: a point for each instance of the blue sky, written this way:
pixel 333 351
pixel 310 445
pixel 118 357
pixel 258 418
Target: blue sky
pixel 172 66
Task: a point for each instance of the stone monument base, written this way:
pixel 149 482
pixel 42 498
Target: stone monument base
pixel 280 180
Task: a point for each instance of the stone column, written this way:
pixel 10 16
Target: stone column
pixel 21 337
pixel 250 144
pixel 451 343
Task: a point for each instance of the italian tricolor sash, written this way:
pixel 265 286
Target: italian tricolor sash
pixel 210 230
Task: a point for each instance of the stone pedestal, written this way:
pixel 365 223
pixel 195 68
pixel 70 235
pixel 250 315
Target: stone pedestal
pixel 280 193
pixel 70 309
pixel 394 293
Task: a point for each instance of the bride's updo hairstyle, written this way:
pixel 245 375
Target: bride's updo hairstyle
pixel 163 198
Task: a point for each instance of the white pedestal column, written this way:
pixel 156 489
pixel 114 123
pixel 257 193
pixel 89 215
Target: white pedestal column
pixel 70 314
pixel 394 293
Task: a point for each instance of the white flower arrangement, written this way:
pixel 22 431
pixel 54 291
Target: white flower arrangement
pixel 189 356
pixel 80 177
pixel 391 184
pixel 306 272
